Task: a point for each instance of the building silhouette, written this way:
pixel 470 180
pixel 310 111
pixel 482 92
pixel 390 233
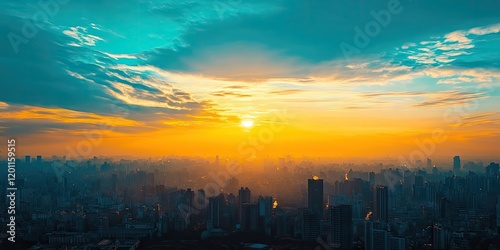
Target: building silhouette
pixel 381 204
pixel 456 164
pixel 310 225
pixel 315 195
pixel 341 227
pixel 244 197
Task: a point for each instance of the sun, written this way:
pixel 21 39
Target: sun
pixel 247 123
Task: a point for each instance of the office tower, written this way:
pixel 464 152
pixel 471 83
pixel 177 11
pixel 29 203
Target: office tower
pixel 27 159
pixel 315 195
pixel 372 178
pixel 39 159
pixel 341 227
pixel 244 197
pixel 249 217
pixel 456 164
pixel 429 163
pixel 492 170
pixel 281 223
pixel 265 205
pixel 200 202
pixel 310 225
pixel 498 213
pixel 397 243
pixel 381 204
pixel 217 160
pixel 215 209
pixel 380 239
pixel 438 237
pixel 189 197
pixel 231 209
pixel 368 234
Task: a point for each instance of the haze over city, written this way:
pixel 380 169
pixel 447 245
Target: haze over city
pixel 155 78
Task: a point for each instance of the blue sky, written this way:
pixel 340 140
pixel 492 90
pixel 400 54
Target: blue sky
pixel 213 63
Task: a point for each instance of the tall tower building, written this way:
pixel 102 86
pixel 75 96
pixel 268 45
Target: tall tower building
pixel 498 213
pixel 27 159
pixel 456 164
pixel 215 209
pixel 372 179
pixel 315 195
pixel 249 217
pixel 341 227
pixel 310 225
pixel 244 197
pixel 381 203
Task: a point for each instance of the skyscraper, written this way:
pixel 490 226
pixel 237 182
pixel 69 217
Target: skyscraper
pixel 429 163
pixel 244 197
pixel 310 225
pixel 215 209
pixel 249 217
pixel 381 203
pixel 498 213
pixel 27 159
pixel 456 164
pixel 315 195
pixel 341 226
pixel 372 178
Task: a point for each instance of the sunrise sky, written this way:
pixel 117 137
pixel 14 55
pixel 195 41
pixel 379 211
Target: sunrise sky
pixel 200 77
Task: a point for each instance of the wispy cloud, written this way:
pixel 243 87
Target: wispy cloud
pixel 81 35
pixel 451 98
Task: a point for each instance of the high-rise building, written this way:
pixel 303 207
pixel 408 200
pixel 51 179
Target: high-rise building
pixel 265 214
pixel 498 213
pixel 372 178
pixel 215 209
pixel 368 235
pixel 265 205
pixel 456 164
pixel 244 197
pixel 39 159
pixel 27 159
pixel 429 163
pixel 281 223
pixel 492 170
pixel 381 203
pixel 249 217
pixel 341 227
pixel 315 195
pixel 397 243
pixel 438 237
pixel 310 225
pixel 380 239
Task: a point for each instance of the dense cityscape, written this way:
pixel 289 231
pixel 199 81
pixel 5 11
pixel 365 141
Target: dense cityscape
pixel 285 203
